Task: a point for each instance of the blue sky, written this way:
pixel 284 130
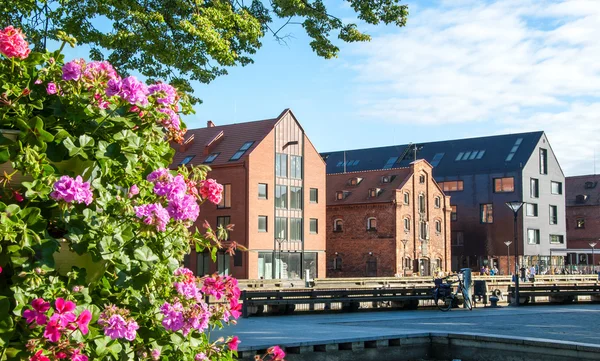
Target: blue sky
pixel 460 68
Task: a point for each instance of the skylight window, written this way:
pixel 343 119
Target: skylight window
pixel 355 162
pixel 340 163
pixel 390 162
pixel 470 155
pixel 459 156
pixel 242 150
pixel 466 156
pixel 436 159
pixel 513 150
pixel 480 154
pixel 211 157
pixel 187 159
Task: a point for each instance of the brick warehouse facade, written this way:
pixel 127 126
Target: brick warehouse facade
pixel 370 213
pixel 268 197
pixel 583 219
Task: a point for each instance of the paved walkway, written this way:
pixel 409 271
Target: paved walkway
pixel 575 323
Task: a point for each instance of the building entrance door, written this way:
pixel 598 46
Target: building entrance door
pixel 424 268
pixel 372 267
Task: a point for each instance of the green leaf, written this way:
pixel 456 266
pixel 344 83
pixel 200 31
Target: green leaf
pixel 85 141
pixel 6 321
pixel 4 155
pixel 145 254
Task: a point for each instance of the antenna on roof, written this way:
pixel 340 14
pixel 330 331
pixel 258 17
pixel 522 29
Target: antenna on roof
pixel 415 150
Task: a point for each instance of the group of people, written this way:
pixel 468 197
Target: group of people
pixel 487 271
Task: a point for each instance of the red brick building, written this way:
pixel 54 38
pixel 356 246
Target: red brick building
pixel 583 219
pixel 387 222
pixel 274 203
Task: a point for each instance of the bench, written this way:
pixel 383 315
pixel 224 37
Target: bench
pixel 559 292
pixel 286 301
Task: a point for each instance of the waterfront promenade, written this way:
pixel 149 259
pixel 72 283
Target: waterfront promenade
pixel 572 323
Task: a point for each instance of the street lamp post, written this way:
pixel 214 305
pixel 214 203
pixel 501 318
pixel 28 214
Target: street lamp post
pixel 593 244
pixel 515 206
pixel 508 243
pixel 279 265
pixel 404 241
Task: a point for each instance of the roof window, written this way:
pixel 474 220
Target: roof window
pixel 469 155
pixel 514 149
pixel 242 150
pixel 387 178
pixel 590 185
pixel 436 159
pixel 187 159
pixel 211 158
pixel 340 195
pixel 581 198
pixel 390 162
pixel 374 192
pixel 354 181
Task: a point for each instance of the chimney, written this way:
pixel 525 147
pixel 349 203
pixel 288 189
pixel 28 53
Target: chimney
pixel 210 124
pixel 186 144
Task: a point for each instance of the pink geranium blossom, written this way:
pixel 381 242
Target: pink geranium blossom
pixel 72 190
pixel 164 93
pixel 13 44
pixel 53 328
pixel 38 314
pixel 276 353
pixel 83 320
pixel 133 191
pixel 200 357
pixel 184 209
pixel 134 91
pixel 155 354
pixel 64 312
pixel 51 88
pixel 78 356
pixel 39 356
pixel 211 190
pixel 233 344
pixel 72 70
pixel 153 214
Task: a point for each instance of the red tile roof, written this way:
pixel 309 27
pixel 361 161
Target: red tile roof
pixel 359 194
pixel 575 186
pixel 232 139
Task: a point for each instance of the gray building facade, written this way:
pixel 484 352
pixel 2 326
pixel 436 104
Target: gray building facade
pixel 481 175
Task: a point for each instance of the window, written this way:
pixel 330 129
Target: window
pixel 387 179
pixel 543 161
pixel 187 159
pixel 262 191
pixel 372 224
pixel 590 185
pixel 514 149
pixel 223 221
pixel 556 187
pixel 487 213
pixel 238 259
pixel 296 166
pixel 534 188
pixel 553 214
pixel 296 229
pixel 337 262
pixel 225 197
pixel 458 238
pixel 339 195
pixel 421 203
pixel 453 215
pixel 502 185
pixel 314 226
pixel 422 179
pixel 280 228
pixel 281 165
pixel 406 198
pixel 390 163
pixel 531 210
pixel 581 198
pixel 580 223
pixel 436 159
pixel 241 151
pixel 281 196
pixel 354 181
pixel 407 224
pixel 295 197
pixel 314 195
pixel 480 154
pixel 374 192
pixel 202 264
pixel 459 156
pixel 451 186
pixel 211 158
pixel 438 226
pixel 338 225
pixel 262 223
pixel 533 236
pixel 437 203
pixel 223 261
pixel 423 230
pixel 557 239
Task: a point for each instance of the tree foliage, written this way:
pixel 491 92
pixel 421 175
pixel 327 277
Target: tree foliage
pixel 183 40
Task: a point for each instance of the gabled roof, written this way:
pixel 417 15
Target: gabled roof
pixel 227 144
pixel 359 194
pixel 481 155
pixel 587 187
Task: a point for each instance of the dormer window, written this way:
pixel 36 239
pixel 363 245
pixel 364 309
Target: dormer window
pixel 581 198
pixel 386 179
pixel 372 224
pixel 338 225
pixel 590 185
pixel 374 192
pixel 354 181
pixel 340 195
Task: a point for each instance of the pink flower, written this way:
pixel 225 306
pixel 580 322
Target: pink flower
pixel 38 313
pixel 13 44
pixel 164 93
pixel 155 354
pixel 83 320
pixel 134 91
pixel 153 214
pixel 130 331
pixel 51 89
pixel 211 190
pixel 53 328
pixel 99 71
pixel 233 344
pixel 64 312
pixel 72 190
pixel 18 197
pixel 173 189
pixel 38 82
pixel 160 175
pixel 200 357
pixel 185 208
pixel 0 269
pixel 214 286
pixel 39 357
pixel 113 87
pixel 133 191
pixel 78 356
pixel 115 327
pixel 173 319
pixel 72 70
pixel 171 120
pixel 277 353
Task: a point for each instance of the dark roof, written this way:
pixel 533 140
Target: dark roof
pixel 493 159
pixel 359 194
pixel 582 190
pixel 232 139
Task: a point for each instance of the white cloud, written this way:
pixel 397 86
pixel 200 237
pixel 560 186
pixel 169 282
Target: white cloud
pixel 520 64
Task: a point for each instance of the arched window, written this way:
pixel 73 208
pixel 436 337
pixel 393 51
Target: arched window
pixel 337 262
pixel 406 224
pixel 372 266
pixel 438 202
pixel 422 203
pixel 406 198
pixel 371 224
pixel 338 225
pixel 438 226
